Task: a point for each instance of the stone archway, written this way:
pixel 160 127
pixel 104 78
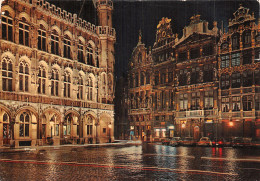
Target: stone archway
pixel 50 127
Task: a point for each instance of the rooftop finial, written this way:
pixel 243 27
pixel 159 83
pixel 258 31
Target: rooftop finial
pixel 140 36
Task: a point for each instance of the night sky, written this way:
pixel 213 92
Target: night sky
pixel 131 16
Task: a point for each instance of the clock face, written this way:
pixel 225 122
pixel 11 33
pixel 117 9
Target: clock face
pixel 163 34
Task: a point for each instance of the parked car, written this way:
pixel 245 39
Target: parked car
pixel 188 141
pixel 204 141
pixel 175 141
pixel 241 142
pixel 219 142
pixel 166 141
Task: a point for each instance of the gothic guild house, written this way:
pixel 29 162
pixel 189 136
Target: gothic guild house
pixel 205 83
pixel 56 83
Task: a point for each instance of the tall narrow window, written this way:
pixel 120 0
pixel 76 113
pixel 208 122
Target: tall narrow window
pixel 42 38
pixel 195 101
pixel 247 57
pixel 147 78
pixel 66 47
pixel 247 78
pixel 24 125
pixel 23 32
pixel 55 82
pixel 142 78
pixel 7 74
pixel 170 76
pixel 257 102
pixel 183 102
pixel 90 55
pixel 209 100
pixel 23 76
pixel 236 82
pixel 208 73
pixel 225 104
pixel 42 80
pixel 80 88
pixel 235 41
pixel 195 75
pixel 156 78
pixel 139 57
pixel 67 125
pixel 67 84
pixel 163 77
pixel 235 59
pixel 90 89
pixel 224 61
pixel 80 52
pixel 225 81
pixel 247 103
pixel 7 27
pixel 247 39
pixel 183 77
pixel 54 42
pixel 236 103
pixel 257 77
pixel 137 80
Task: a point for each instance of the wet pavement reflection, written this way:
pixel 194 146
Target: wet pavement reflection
pixel 141 162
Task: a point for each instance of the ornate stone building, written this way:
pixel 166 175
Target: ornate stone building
pixel 238 67
pixel 56 84
pixel 195 80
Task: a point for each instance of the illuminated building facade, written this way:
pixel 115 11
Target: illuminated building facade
pixel 56 84
pixel 200 82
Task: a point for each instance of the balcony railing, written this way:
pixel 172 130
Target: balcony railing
pixel 248 114
pixel 195 113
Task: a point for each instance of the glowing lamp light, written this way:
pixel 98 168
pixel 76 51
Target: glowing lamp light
pixel 183 125
pixel 231 124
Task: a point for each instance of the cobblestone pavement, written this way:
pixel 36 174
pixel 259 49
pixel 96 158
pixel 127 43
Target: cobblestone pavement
pixel 131 162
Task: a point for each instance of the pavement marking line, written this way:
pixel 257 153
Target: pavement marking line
pixel 231 159
pixel 169 155
pixel 205 172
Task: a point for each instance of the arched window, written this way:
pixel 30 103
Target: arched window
pixel 6 129
pixel 235 41
pixel 246 39
pixel 7 74
pixel 80 52
pixel 23 76
pixel 90 55
pixel 24 125
pixel 89 126
pixel 54 42
pixel 42 80
pixel 55 82
pixel 42 38
pixel 67 84
pixel 55 130
pixel 66 47
pixel 80 88
pixel 7 27
pixel 67 125
pixel 90 89
pixel 142 78
pixel 23 32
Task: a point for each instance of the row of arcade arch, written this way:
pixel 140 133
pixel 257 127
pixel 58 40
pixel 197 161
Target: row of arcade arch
pixel 28 127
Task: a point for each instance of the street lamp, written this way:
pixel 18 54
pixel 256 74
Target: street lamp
pixel 183 126
pixel 231 124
